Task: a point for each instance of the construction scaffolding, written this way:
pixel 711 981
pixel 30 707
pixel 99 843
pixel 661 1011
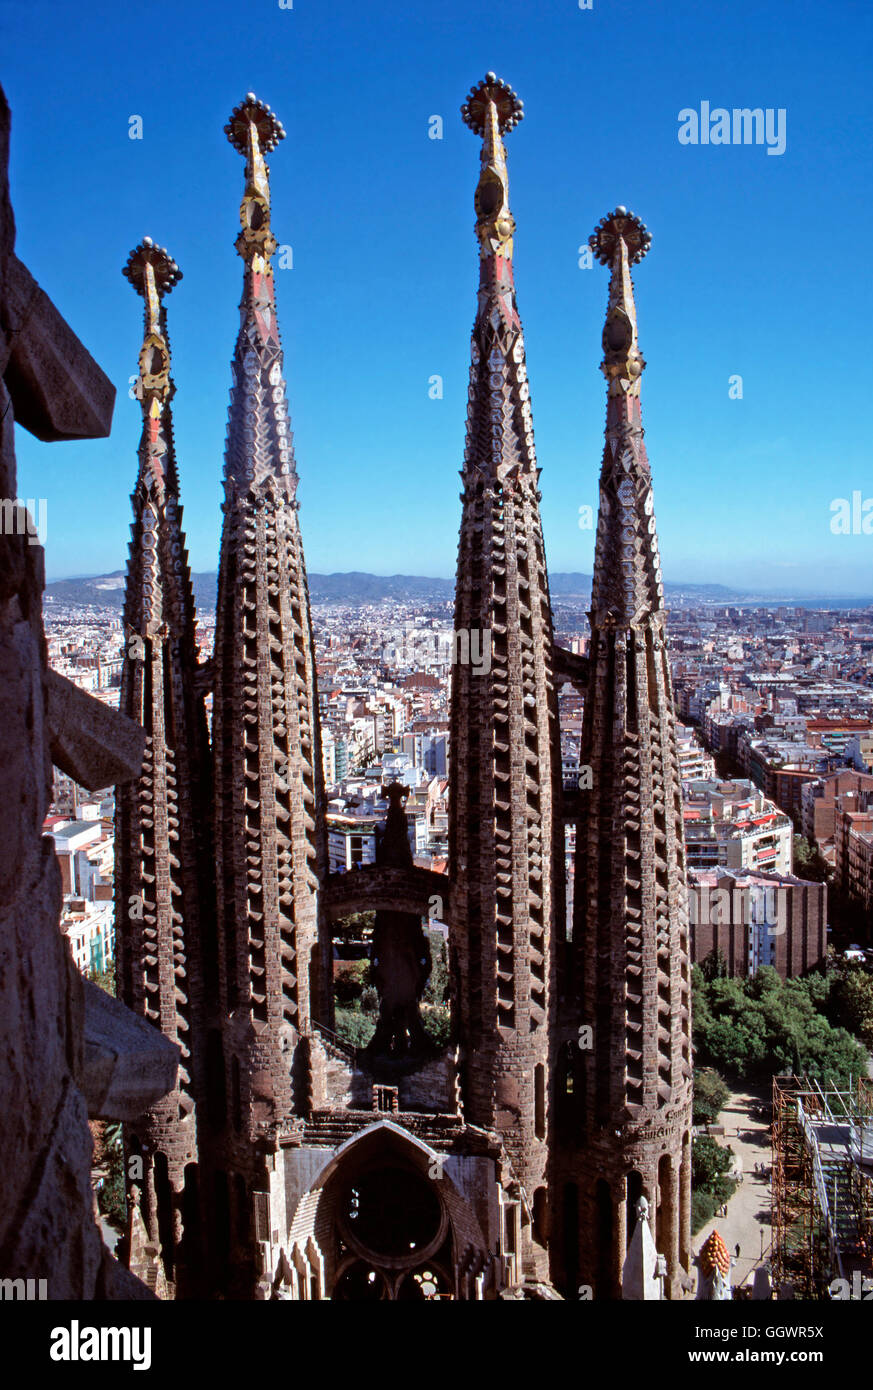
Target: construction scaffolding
pixel 822 1186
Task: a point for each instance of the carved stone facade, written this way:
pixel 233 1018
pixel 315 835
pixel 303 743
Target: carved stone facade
pixel 162 836
pixel 270 836
pixel 624 1087
pixel 290 1164
pixel 505 833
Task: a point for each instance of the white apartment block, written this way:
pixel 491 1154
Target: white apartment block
pixel 734 826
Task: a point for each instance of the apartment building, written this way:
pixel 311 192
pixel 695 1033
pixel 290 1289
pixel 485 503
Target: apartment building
pixel 734 826
pixel 757 919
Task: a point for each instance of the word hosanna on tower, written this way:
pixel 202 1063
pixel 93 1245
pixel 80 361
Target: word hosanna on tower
pixel 285 1164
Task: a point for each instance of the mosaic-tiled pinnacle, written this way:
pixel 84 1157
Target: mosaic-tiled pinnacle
pixel 260 455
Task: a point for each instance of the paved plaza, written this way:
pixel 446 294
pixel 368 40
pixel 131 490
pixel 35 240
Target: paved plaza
pixel 747 1223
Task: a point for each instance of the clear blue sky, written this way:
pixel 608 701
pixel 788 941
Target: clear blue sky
pixel 759 264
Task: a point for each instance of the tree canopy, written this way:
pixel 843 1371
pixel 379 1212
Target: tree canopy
pixel 809 862
pixel 764 1025
pixel 710 1095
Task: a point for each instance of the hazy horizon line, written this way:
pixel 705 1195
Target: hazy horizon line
pixel 748 594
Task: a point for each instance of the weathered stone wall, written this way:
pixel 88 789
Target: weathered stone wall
pixel 47 1062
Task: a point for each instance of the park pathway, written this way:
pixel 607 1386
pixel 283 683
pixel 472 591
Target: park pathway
pixel 747 1223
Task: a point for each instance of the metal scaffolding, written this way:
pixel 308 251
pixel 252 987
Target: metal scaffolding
pixel 822 1139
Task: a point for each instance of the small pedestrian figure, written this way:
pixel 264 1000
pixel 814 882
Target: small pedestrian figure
pixel 738 1249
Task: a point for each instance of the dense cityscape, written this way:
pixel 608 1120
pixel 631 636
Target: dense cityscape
pixel 775 740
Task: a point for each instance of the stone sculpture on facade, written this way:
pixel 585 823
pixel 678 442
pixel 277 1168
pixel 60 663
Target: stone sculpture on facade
pixel 401 961
pixel 642 1277
pixel 713 1270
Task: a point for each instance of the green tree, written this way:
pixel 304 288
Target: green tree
pixel 710 1095
pixel 437 1024
pixel 710 1184
pixel 766 982
pixel 358 926
pixel 714 966
pixel 850 1004
pixel 703 1209
pixel 710 1162
pixel 104 979
pixel 766 1025
pixel 809 862
pixel 437 987
pixel 349 982
pixel 354 1028
pixel 109 1161
pixel 817 987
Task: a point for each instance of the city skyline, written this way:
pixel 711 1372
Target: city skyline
pixel 378 211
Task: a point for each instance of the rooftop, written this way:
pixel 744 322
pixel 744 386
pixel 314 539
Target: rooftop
pixel 74 828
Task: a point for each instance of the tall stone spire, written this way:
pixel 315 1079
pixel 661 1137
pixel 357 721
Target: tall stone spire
pixel 631 1090
pixel 269 801
pixel 505 836
pixel 260 455
pixel 162 903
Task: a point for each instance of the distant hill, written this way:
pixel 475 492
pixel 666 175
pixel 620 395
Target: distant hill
pixel 356 587
pixel 107 590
